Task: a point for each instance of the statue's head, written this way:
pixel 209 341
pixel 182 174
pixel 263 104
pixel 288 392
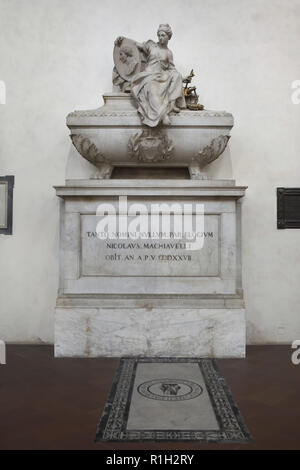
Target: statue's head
pixel 164 33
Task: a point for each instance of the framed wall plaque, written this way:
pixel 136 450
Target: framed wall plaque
pixel 288 208
pixel 6 204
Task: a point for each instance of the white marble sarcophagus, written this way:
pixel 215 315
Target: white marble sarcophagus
pixel 113 136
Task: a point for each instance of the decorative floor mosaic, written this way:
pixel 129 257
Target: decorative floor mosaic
pixel 171 399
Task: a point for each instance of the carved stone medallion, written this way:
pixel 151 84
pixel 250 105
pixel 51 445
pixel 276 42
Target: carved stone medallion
pixel 150 146
pixel 170 389
pixel 127 59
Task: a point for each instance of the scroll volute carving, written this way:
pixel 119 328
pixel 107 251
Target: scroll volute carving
pixel 88 149
pixel 212 151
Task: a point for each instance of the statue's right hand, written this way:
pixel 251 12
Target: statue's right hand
pixel 119 40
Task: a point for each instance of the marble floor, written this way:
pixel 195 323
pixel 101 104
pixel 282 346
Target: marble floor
pixel 49 403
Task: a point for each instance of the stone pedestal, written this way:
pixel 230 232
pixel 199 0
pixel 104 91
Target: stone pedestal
pixel 150 297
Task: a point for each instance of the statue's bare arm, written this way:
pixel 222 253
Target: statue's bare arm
pixel 140 46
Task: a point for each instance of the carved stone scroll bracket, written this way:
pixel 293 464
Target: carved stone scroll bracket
pixel 196 172
pixel 150 145
pixel 103 173
pixel 90 152
pixel 207 155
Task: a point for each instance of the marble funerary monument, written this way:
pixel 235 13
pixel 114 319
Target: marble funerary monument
pixel 148 294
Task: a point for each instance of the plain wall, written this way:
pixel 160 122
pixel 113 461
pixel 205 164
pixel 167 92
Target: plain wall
pixel 56 56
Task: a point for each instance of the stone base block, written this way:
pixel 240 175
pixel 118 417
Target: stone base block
pixel 175 332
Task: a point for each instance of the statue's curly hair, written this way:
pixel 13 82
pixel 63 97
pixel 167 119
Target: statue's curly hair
pixel 166 28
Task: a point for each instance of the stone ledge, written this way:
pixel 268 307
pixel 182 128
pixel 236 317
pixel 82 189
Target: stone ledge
pixel 149 302
pixel 145 187
pixel 157 183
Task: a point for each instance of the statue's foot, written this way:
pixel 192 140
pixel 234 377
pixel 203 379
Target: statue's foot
pixel 166 120
pixel 173 107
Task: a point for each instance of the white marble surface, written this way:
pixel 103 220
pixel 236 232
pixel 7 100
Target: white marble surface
pixel 169 414
pixel 150 332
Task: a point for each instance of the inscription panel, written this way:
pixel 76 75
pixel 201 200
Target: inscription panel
pixel 152 256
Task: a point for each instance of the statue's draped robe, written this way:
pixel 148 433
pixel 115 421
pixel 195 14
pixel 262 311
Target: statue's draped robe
pixel 157 86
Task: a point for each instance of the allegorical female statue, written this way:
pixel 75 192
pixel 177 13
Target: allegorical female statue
pixel 157 87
